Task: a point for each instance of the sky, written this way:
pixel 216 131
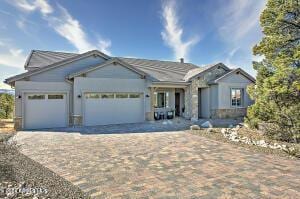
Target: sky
pixel 200 31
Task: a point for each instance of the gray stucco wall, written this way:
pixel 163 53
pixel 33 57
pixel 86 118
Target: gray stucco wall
pixel 59 73
pixel 224 108
pixel 224 87
pixel 113 71
pixel 205 103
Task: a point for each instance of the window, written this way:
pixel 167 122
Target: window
pixel 236 97
pixel 161 99
pixel 55 97
pixel 92 96
pixel 36 97
pixel 122 95
pixel 132 95
pixel 107 96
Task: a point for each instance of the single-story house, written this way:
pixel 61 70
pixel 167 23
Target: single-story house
pixel 66 89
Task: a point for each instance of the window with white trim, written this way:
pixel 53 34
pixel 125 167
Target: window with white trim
pixel 237 97
pixel 161 99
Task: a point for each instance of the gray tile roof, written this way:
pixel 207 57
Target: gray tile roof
pixel 166 71
pixel 40 58
pixel 158 70
pixel 161 70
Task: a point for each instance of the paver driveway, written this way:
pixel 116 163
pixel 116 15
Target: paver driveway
pixel 162 165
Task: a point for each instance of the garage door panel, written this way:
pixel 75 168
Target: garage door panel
pixel 44 112
pixel 114 111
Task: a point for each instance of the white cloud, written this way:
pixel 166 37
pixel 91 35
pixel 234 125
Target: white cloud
pixel 172 33
pixel 4 86
pixel 64 24
pixel 69 28
pixel 237 18
pixel 21 24
pixel 31 5
pixel 11 56
pixel 104 45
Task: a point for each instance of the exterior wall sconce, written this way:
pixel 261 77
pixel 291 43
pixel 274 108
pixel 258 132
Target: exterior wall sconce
pixel 147 95
pixel 79 96
pixel 18 97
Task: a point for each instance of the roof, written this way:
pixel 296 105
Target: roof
pixel 161 70
pixel 40 58
pixel 158 71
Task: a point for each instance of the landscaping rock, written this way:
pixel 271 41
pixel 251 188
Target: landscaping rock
pixel 206 124
pixel 223 131
pixel 195 127
pixel 230 126
pixel 210 130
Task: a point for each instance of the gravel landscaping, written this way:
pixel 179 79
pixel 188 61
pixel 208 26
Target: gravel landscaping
pixel 21 177
pixel 249 139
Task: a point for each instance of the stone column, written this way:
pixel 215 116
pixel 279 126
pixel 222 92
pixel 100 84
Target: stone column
pixel 194 101
pixel 150 116
pixel 18 123
pixel 76 120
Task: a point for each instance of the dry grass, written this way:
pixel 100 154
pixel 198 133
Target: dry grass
pixel 7 126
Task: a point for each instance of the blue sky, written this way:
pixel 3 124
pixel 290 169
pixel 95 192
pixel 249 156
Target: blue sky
pixel 203 32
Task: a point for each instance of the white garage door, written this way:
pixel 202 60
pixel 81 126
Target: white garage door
pixel 45 110
pixel 113 108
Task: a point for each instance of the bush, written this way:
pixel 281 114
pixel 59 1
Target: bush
pixel 6 106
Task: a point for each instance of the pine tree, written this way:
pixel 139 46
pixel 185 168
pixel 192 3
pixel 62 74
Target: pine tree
pixel 277 89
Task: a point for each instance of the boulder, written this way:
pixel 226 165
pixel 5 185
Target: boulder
pixel 195 127
pixel 206 124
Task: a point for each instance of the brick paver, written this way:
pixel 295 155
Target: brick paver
pixel 162 165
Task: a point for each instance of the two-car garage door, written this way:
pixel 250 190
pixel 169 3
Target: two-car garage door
pixel 45 110
pixel 113 108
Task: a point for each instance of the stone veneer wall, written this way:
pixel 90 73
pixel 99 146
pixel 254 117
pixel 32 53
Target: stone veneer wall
pixel 228 113
pixel 149 116
pixel 76 120
pixel 18 123
pixel 191 93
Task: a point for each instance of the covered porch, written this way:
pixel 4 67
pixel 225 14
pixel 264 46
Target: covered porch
pixel 167 100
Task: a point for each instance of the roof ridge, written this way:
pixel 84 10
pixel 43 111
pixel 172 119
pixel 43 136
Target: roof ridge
pixel 36 50
pixel 136 58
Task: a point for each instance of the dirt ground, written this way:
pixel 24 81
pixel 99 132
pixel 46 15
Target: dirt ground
pixel 7 126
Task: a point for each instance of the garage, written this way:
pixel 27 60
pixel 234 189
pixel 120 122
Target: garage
pixel 45 110
pixel 113 108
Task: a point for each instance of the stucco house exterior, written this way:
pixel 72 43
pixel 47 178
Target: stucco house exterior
pixel 67 89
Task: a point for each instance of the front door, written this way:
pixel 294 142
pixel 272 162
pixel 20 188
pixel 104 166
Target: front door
pixel 199 103
pixel 177 104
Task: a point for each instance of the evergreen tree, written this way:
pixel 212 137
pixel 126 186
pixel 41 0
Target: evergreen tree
pixel 277 89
